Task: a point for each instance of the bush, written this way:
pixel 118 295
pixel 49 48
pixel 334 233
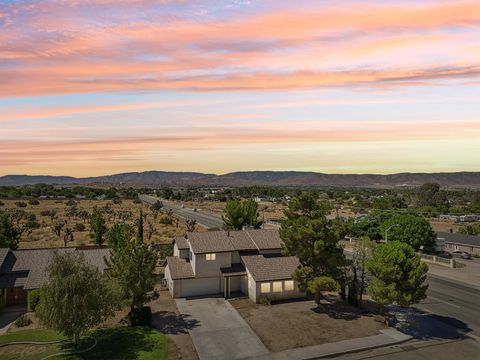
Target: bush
pixel 117 201
pixel 34 298
pixel 32 224
pixel 71 203
pixel 2 203
pixel 22 321
pixel 165 220
pixel 34 202
pixel 141 317
pixel 21 204
pixel 263 300
pixel 79 227
pixel 137 201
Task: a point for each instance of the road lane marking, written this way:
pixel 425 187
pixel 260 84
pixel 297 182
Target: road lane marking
pixel 443 301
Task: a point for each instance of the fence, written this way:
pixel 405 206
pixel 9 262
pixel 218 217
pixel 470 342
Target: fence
pixel 439 261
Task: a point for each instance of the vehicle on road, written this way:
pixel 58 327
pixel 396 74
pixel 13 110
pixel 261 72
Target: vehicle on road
pixel 461 254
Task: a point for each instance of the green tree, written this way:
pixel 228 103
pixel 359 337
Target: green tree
pixel 139 223
pixel 132 267
pixel 471 229
pixel 118 234
pixel 68 236
pixel 398 275
pixel 241 213
pixel 77 296
pixel 411 229
pixel 310 236
pixel 319 284
pixel 98 228
pixel 9 233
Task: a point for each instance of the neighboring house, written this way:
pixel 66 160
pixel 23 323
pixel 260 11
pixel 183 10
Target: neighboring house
pixel 24 270
pixel 460 242
pixel 227 262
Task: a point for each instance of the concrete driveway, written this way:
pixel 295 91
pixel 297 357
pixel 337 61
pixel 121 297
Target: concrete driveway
pixel 221 332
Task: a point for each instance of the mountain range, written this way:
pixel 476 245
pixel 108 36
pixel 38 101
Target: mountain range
pixel 248 178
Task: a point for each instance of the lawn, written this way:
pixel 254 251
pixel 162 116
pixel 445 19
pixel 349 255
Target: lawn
pixel 292 324
pixel 120 343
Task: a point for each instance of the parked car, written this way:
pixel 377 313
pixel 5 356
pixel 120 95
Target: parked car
pixel 444 254
pixel 461 254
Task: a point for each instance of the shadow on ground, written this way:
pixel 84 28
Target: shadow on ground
pixel 170 323
pixel 423 325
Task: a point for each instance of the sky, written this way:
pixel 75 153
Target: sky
pixel 94 87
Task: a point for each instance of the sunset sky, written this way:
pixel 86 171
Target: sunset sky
pixel 93 87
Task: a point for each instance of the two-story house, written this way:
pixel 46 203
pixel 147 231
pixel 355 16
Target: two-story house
pixel 227 262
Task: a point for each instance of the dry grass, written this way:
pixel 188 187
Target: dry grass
pixel 293 324
pixel 45 236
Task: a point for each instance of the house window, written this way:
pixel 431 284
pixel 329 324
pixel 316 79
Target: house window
pixel 210 257
pixel 264 288
pixel 289 286
pixel 277 286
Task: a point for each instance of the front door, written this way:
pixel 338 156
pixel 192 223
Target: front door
pixel 15 296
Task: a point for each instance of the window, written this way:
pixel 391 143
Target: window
pixel 265 288
pixel 289 286
pixel 277 286
pixel 210 257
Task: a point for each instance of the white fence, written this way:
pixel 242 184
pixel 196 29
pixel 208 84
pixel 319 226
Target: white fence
pixel 432 259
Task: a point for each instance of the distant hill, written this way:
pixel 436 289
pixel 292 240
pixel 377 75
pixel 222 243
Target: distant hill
pixel 248 178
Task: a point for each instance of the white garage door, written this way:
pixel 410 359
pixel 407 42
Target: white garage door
pixel 197 287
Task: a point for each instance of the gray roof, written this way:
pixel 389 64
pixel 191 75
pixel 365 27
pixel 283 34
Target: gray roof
pixel 179 268
pixel 181 242
pixel 226 241
pixel 462 239
pixel 32 264
pixel 270 268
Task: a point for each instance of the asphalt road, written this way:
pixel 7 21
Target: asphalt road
pixel 206 219
pixel 456 304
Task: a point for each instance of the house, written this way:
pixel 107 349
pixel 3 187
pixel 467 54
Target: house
pixel 460 242
pixel 24 270
pixel 226 262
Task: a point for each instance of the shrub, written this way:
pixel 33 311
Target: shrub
pixel 263 300
pixel 32 224
pixel 79 227
pixel 71 203
pixel 117 201
pixel 22 321
pixel 137 201
pixel 34 298
pixel 141 317
pixel 34 202
pixel 2 203
pixel 21 204
pixel 165 220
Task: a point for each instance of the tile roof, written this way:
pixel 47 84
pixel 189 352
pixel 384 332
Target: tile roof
pixel 225 241
pixel 179 268
pixel 234 270
pixel 181 242
pixel 469 240
pixel 272 268
pixel 13 280
pixel 34 262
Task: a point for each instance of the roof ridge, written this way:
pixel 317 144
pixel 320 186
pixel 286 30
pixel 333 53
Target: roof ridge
pixel 251 238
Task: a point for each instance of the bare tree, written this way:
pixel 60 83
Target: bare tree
pixel 67 236
pixel 191 224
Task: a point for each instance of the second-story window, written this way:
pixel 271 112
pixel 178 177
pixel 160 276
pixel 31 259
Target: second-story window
pixel 210 257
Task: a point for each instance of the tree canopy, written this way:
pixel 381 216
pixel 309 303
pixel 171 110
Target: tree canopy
pixel 241 213
pixel 309 235
pixel 398 275
pixel 9 233
pixel 77 297
pixel 98 227
pixel 411 229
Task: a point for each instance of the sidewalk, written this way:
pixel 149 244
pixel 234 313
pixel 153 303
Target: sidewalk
pixel 388 337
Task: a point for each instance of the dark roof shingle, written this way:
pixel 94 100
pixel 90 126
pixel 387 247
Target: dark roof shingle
pixel 181 242
pixel 179 268
pixel 469 240
pixel 272 268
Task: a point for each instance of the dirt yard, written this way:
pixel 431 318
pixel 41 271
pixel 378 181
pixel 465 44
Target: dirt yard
pixel 168 320
pixel 126 210
pixel 289 325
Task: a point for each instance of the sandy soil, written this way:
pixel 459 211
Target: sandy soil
pixel 295 324
pixel 45 236
pixel 168 320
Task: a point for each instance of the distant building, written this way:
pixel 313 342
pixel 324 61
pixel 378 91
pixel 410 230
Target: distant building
pixel 460 242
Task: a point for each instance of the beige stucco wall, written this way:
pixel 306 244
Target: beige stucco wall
pixel 205 268
pixel 284 295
